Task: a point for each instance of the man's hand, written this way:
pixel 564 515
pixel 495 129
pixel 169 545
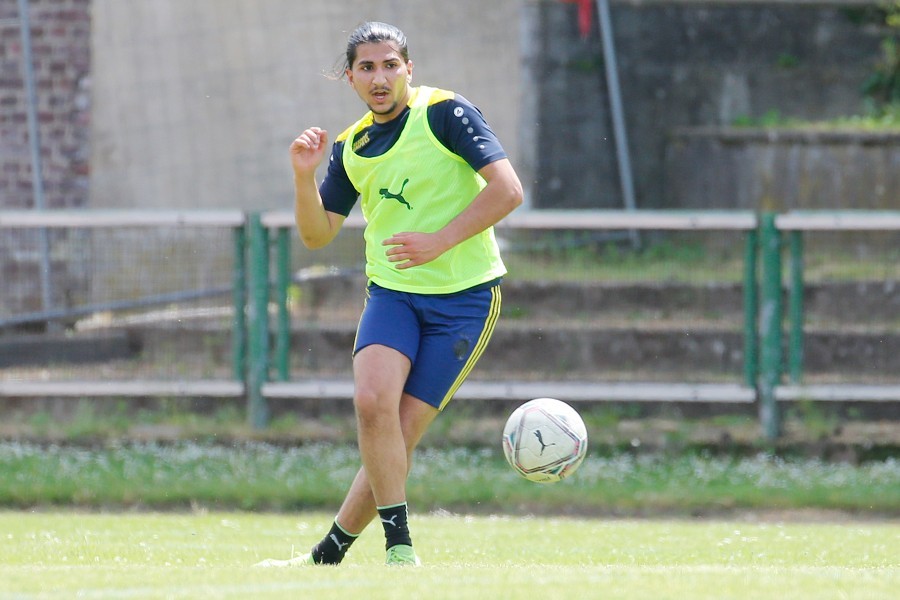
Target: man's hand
pixel 411 249
pixel 316 225
pixel 308 150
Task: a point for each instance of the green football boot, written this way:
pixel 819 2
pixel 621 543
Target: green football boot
pixel 297 561
pixel 402 555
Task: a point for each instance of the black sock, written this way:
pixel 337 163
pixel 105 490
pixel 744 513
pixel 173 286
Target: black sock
pixel 333 547
pixel 396 527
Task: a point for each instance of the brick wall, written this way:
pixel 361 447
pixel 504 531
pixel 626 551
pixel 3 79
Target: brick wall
pixel 60 38
pixel 60 34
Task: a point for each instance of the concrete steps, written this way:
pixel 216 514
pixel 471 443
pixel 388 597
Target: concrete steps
pixel 642 331
pixel 587 331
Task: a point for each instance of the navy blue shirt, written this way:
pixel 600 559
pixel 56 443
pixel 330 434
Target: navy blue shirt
pixel 455 122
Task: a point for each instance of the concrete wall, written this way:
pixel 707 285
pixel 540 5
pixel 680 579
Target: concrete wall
pixel 758 169
pixel 192 103
pixel 681 64
pixel 196 101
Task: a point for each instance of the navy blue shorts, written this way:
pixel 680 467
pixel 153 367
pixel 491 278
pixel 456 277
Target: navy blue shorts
pixel 442 335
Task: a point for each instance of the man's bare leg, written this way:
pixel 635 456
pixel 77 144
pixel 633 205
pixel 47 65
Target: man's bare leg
pixel 379 376
pixel 358 508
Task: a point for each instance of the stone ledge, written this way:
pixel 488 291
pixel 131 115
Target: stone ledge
pixel 791 135
pixel 782 169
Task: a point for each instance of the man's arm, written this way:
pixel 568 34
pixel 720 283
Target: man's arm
pixel 317 226
pixel 501 195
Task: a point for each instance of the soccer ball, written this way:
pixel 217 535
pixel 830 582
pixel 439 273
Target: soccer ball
pixel 544 440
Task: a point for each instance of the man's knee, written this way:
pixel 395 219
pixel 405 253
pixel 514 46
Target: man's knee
pixel 371 405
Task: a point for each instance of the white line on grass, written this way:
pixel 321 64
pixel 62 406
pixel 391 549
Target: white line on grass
pixel 201 590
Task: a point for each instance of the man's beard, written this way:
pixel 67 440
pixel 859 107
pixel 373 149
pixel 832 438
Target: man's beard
pixel 386 111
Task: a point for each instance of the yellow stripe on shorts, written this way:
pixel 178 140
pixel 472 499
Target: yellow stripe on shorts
pixel 356 335
pixel 483 339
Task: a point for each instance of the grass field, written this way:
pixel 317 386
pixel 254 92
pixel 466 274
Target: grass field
pixel 263 477
pixel 210 555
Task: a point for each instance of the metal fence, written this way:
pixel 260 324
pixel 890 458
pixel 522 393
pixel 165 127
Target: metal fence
pixel 875 299
pixel 136 303
pixel 493 380
pixel 599 306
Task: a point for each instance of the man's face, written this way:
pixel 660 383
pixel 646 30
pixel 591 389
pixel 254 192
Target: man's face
pixel 381 78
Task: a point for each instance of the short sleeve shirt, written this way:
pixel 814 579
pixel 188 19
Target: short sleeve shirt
pixel 455 122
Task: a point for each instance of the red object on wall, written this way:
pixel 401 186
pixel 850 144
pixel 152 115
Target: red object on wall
pixel 585 15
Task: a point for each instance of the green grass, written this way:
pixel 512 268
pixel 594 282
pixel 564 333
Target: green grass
pixel 875 118
pixel 688 259
pixel 258 476
pixel 837 266
pixel 573 257
pixel 209 555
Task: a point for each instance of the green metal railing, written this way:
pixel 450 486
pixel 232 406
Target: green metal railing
pixel 795 312
pixel 795 226
pixel 282 226
pixel 239 301
pixel 751 301
pixel 773 372
pixel 258 326
pixel 770 324
pixel 282 285
pixel 765 364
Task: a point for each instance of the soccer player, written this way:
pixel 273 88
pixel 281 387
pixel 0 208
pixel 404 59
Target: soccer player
pixel 432 180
